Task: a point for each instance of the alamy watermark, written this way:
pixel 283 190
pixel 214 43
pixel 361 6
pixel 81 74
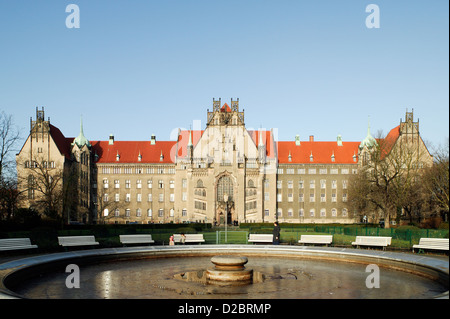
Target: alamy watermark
pixel 373 19
pixel 73 19
pixel 73 280
pixel 373 279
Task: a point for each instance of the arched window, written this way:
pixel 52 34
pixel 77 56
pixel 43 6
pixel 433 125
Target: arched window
pixel 199 183
pixel 224 186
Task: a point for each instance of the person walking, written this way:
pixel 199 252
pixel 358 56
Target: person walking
pixel 276 233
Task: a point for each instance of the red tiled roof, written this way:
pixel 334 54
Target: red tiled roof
pixel 183 140
pixel 225 108
pixel 129 151
pixel 321 151
pixel 266 139
pixel 62 142
pixel 388 142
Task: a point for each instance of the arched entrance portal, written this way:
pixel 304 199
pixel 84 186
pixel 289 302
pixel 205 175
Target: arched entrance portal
pixel 225 200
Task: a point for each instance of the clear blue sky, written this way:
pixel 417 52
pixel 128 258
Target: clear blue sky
pixel 138 67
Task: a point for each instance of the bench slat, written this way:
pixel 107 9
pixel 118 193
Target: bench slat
pixel 77 241
pixel 16 243
pixel 190 238
pixel 432 243
pixel 136 239
pixel 376 241
pixel 260 238
pixel 316 239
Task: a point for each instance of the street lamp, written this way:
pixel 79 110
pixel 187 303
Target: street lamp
pixel 225 198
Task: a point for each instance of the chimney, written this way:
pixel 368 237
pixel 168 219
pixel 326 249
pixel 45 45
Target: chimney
pixel 311 138
pixel 297 140
pixel 339 140
pixel 153 139
pixel 111 139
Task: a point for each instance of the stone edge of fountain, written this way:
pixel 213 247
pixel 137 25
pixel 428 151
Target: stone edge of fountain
pixel 433 268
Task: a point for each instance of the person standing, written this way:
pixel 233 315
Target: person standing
pixel 276 233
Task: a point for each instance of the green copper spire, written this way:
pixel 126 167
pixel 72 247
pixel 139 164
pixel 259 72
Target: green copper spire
pixel 81 140
pixel 369 141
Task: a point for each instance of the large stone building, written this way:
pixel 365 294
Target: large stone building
pixel 224 173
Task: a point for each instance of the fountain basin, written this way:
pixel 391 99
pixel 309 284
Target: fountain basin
pixel 19 270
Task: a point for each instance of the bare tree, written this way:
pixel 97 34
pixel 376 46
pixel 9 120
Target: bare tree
pixel 51 191
pixel 436 180
pixel 388 181
pixel 9 135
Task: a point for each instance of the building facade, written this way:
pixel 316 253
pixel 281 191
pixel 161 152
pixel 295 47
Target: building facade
pixel 222 174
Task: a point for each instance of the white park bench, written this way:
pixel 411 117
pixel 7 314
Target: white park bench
pixel 316 239
pixel 136 239
pixel 260 238
pixel 432 243
pixel 374 241
pixel 72 241
pixel 16 243
pixel 190 238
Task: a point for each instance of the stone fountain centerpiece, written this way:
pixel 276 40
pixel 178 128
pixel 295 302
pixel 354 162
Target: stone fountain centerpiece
pixel 229 269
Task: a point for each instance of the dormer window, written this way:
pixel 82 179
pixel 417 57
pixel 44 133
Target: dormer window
pixel 117 157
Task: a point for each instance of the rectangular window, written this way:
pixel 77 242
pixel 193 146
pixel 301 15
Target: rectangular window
pixel 279 198
pixel 334 184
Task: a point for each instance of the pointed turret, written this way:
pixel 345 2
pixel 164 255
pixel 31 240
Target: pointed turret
pixel 81 140
pixel 190 147
pixel 369 141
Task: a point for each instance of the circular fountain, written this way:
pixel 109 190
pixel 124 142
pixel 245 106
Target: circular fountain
pixel 229 269
pixel 186 272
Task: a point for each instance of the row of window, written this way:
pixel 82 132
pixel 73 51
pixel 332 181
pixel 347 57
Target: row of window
pixel 138 170
pixel 312 184
pixel 313 171
pixel 44 164
pixel 106 197
pixel 138 213
pixel 138 183
pixel 290 213
pixel 312 213
pixel 312 197
pixel 250 191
